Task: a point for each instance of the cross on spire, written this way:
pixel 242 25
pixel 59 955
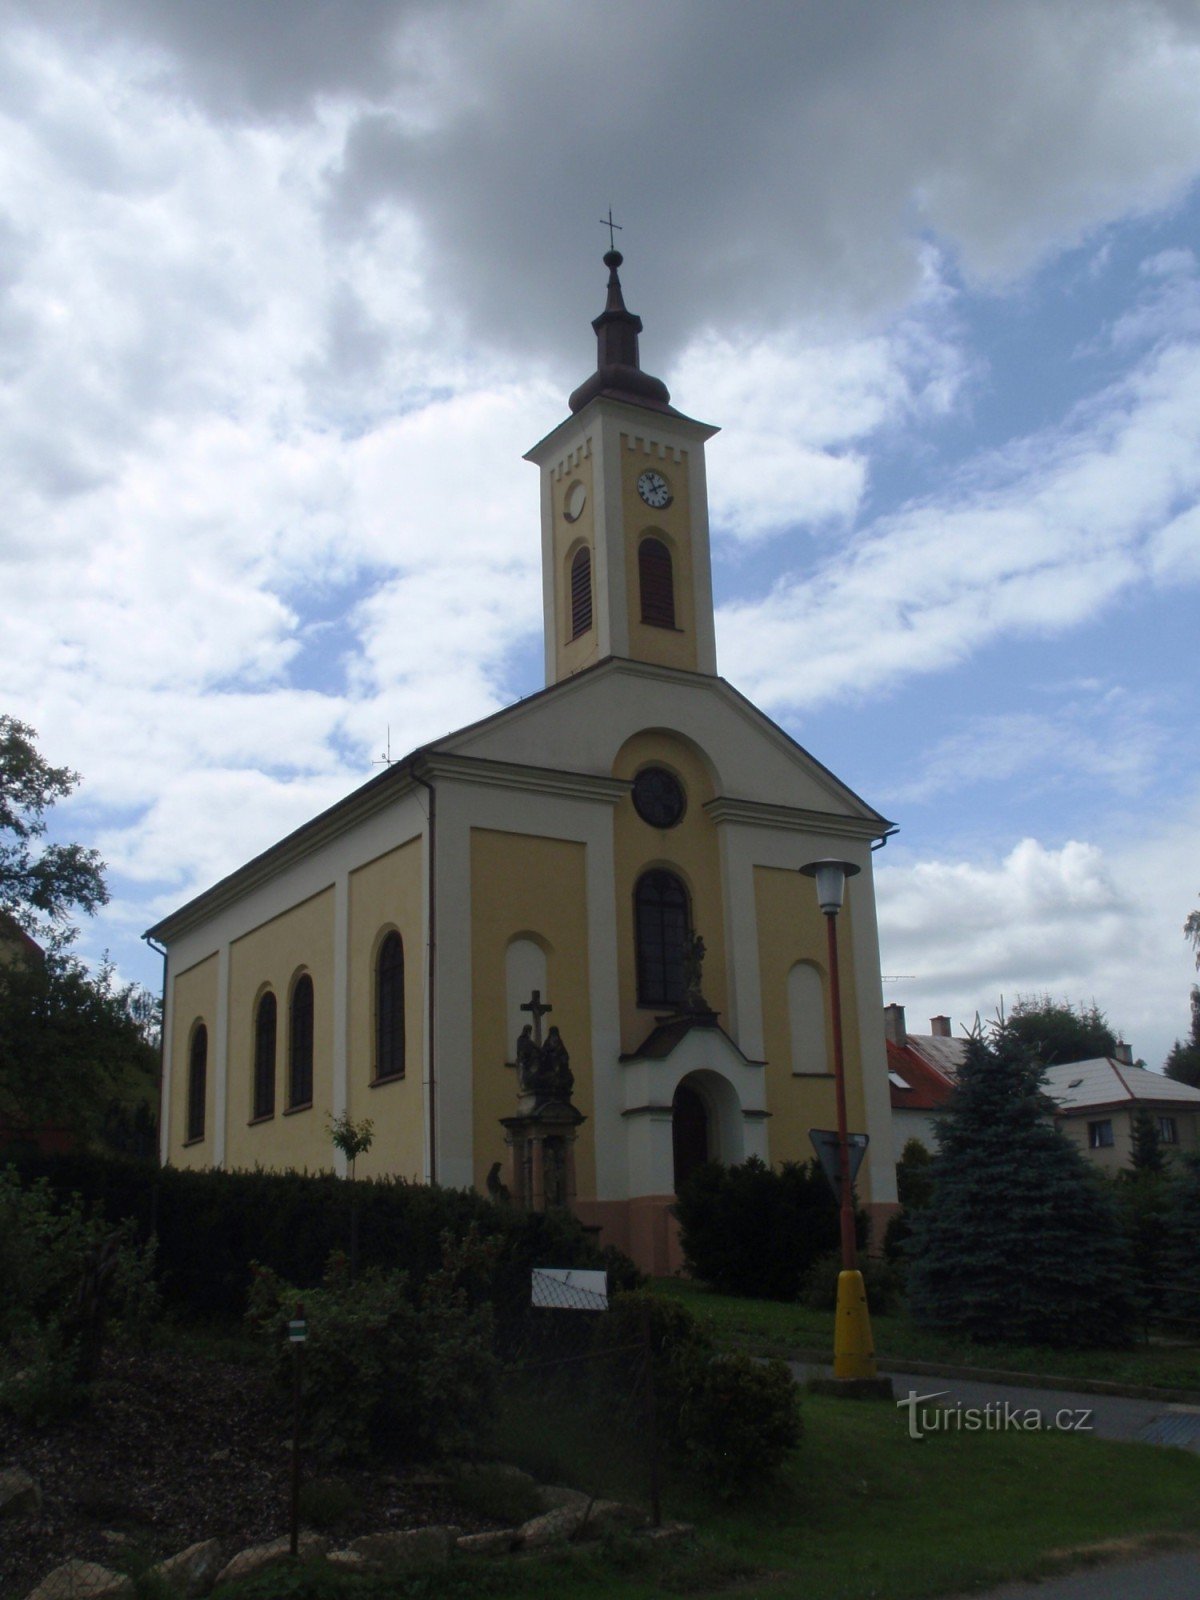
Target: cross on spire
pixel 613 227
pixel 537 1009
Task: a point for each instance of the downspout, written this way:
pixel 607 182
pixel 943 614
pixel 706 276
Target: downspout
pixel 431 978
pixel 884 837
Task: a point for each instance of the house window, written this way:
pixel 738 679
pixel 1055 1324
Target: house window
pixel 264 1056
pixel 389 1008
pixel 1166 1131
pixel 662 924
pixel 581 592
pixel 300 1038
pixel 657 582
pixel 197 1082
pixel 1100 1135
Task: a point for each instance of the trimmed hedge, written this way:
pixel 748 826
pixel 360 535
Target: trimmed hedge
pixel 211 1226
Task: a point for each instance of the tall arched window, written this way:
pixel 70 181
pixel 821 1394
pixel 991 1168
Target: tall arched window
pixel 581 592
pixel 657 583
pixel 265 1019
pixel 806 1014
pixel 197 1082
pixel 389 1008
pixel 300 1044
pixel 662 922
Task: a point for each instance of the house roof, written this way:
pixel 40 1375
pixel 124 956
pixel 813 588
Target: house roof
pixel 1105 1084
pixel 915 1085
pixel 943 1053
pixel 14 935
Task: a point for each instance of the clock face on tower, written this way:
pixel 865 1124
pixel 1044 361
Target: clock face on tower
pixel 655 490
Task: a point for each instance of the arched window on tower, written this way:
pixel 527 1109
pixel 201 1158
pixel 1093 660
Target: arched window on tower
pixel 656 580
pixel 662 924
pixel 197 1082
pixel 300 1044
pixel 265 1019
pixel 581 591
pixel 389 1008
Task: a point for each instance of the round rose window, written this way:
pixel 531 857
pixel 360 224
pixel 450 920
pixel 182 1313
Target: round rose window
pixel 658 797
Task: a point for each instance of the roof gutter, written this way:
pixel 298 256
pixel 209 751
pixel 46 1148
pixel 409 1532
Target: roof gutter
pixel 884 837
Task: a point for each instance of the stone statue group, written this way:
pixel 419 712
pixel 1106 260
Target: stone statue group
pixel 544 1070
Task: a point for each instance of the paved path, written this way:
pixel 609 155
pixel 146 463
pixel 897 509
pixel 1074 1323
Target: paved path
pixel 1175 1576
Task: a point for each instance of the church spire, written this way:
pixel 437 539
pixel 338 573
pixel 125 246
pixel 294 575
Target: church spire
pixel 618 373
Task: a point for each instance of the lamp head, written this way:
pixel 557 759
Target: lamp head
pixel 831 878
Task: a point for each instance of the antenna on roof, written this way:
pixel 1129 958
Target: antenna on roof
pixel 386 759
pixel 897 977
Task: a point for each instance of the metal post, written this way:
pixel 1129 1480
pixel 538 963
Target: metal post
pixel 297 1359
pixel 849 1246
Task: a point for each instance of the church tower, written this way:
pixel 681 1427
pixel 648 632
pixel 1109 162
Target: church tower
pixel 626 570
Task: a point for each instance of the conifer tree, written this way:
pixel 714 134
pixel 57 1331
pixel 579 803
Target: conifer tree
pixel 1183 1251
pixel 1021 1241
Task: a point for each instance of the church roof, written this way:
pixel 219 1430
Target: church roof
pixel 661 1041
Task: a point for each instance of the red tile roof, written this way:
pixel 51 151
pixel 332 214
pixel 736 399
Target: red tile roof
pixel 927 1088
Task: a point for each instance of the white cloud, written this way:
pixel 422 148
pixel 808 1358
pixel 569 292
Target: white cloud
pixel 1078 921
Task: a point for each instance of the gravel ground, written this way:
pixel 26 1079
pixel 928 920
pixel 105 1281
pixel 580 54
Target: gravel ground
pixel 175 1449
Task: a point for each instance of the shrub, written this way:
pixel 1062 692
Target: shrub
pixel 727 1420
pixel 70 1282
pixel 752 1230
pixel 883 1283
pixel 211 1225
pixel 386 1367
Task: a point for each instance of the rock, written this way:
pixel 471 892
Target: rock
pixel 607 1514
pixel 555 1496
pixel 406 1546
pixel 257 1557
pixel 489 1544
pixel 552 1527
pixel 20 1496
pixel 668 1533
pixel 82 1580
pixel 193 1571
pixel 347 1561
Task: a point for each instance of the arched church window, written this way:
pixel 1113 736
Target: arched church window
pixel 197 1082
pixel 662 922
pixel 300 1044
pixel 389 1008
pixel 265 1020
pixel 656 579
pixel 806 1016
pixel 581 592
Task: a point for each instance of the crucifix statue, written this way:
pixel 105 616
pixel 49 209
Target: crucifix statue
pixel 537 1009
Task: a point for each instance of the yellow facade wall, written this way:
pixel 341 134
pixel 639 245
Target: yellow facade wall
pixel 690 850
pixel 388 893
pixel 527 887
pixel 572 655
pixel 791 928
pixel 668 647
pixel 193 999
pixel 274 955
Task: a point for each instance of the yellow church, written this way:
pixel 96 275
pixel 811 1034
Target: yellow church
pixel 615 858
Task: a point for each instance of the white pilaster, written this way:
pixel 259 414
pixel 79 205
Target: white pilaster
pixel 221 1057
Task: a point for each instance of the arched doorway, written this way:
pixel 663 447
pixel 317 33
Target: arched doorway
pixel 689 1133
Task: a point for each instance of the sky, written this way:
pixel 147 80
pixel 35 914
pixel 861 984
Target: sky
pixel 287 289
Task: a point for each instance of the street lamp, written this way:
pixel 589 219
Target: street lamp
pixel 853 1348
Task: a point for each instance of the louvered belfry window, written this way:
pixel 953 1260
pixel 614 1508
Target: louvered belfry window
pixel 300 1077
pixel 662 922
pixel 197 1082
pixel 657 581
pixel 264 1056
pixel 581 592
pixel 389 1008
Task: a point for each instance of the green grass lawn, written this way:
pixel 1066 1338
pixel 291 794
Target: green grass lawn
pixel 863 1511
pixel 771 1327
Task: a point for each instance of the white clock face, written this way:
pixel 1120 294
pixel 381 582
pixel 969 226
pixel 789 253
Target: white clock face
pixel 654 490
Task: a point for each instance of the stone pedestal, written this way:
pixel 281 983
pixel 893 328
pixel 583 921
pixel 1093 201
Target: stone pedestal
pixel 541 1149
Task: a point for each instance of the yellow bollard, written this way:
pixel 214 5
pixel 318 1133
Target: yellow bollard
pixel 853 1346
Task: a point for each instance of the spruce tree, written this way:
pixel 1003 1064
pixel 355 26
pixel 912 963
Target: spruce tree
pixel 1021 1241
pixel 1183 1233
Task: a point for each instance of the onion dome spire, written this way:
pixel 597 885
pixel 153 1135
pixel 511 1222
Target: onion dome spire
pixel 618 373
